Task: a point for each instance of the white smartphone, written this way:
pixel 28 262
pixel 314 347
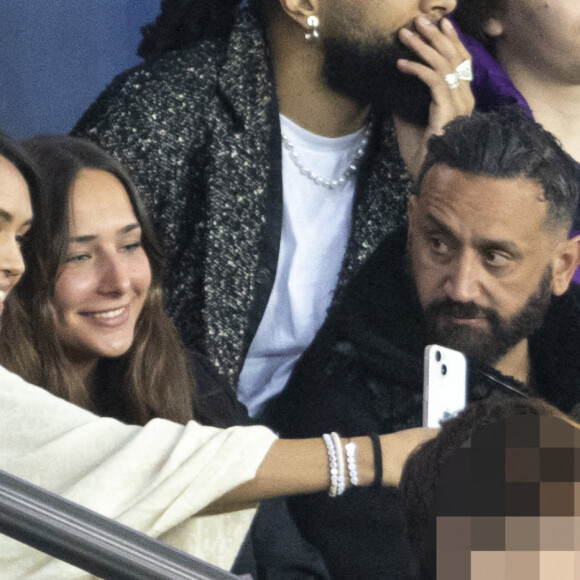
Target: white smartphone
pixel 444 384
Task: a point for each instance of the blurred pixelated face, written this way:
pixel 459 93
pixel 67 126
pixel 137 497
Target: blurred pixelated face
pixel 361 48
pixel 481 259
pixel 15 220
pixel 556 23
pixel 103 282
pixel 508 504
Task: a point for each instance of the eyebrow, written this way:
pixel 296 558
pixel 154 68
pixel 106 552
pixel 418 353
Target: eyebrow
pixel 439 224
pixel 90 238
pixel 480 241
pixel 7 217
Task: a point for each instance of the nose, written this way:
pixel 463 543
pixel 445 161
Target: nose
pixel 114 276
pixel 11 260
pixel 438 7
pixel 462 283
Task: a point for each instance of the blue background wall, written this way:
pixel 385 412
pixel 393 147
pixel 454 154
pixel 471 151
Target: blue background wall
pixel 56 56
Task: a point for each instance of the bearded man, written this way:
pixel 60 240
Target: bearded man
pixel 263 138
pixel 483 267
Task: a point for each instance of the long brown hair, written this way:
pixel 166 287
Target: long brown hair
pixel 153 379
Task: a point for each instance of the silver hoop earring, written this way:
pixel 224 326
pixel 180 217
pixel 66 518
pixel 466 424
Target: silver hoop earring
pixel 312 33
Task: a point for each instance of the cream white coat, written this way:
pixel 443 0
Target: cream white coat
pixel 153 478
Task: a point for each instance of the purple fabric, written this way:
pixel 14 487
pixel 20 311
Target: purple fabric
pixel 576 277
pixel 491 86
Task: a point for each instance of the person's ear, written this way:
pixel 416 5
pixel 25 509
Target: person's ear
pixel 566 262
pixel 493 27
pixel 300 10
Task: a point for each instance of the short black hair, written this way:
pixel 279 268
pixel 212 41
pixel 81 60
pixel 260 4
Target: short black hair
pixel 507 143
pixel 425 465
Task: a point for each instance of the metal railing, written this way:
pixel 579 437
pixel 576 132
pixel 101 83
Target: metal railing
pixel 94 543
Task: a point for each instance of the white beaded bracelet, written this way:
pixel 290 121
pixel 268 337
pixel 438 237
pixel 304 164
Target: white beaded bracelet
pixel 333 465
pixel 341 479
pixel 350 450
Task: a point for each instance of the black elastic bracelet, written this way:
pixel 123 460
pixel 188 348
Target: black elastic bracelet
pixel 378 459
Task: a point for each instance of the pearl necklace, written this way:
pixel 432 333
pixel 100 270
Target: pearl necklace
pixel 330 183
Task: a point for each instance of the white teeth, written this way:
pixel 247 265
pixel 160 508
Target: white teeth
pixel 2 295
pixel 110 314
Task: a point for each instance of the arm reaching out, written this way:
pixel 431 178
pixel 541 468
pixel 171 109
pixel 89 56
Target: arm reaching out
pixel 156 478
pixel 298 466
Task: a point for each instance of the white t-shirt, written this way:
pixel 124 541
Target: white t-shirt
pixel 315 229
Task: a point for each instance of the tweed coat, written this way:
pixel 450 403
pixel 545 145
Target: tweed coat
pixel 199 130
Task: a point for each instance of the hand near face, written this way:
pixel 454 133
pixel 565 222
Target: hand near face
pixel 440 52
pixel 396 448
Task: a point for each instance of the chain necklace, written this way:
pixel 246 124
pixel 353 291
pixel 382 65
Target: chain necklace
pixel 330 183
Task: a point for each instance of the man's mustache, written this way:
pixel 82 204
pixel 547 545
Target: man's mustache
pixel 454 309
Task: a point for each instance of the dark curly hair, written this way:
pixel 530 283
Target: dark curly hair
pixel 182 23
pixel 509 144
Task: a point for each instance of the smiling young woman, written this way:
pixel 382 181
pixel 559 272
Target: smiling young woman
pixel 87 321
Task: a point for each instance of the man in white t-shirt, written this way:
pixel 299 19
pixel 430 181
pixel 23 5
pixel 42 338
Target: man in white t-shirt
pixel 273 143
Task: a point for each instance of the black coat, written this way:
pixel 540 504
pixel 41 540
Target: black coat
pixel 364 373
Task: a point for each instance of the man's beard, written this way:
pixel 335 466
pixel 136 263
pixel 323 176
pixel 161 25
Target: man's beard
pixel 368 73
pixel 503 334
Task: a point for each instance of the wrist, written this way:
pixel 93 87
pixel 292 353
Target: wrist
pixel 364 460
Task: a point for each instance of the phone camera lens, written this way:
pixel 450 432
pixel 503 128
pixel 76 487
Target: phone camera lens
pixel 443 369
pixel 437 355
